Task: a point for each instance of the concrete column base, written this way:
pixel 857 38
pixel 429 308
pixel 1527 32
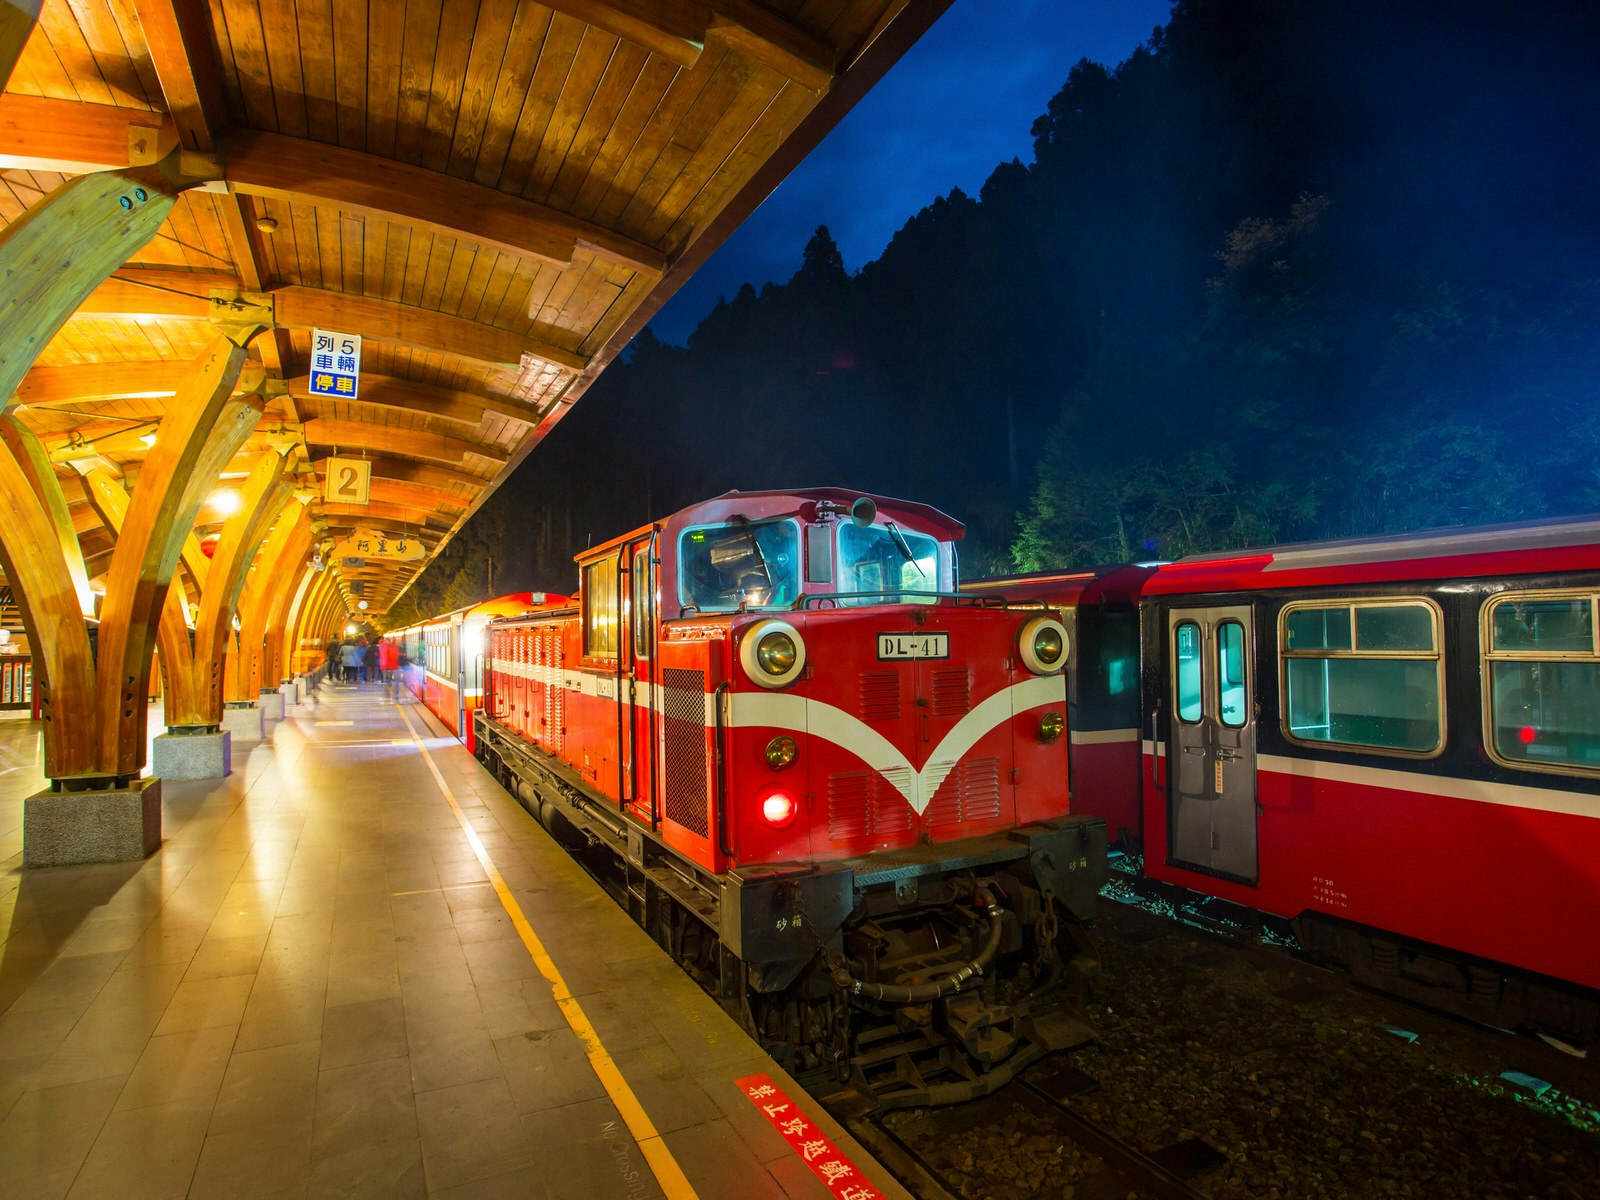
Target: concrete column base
pixel 271 703
pixel 64 828
pixel 192 755
pixel 287 690
pixel 244 721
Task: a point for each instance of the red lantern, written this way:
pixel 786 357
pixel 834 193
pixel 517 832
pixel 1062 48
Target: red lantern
pixel 208 544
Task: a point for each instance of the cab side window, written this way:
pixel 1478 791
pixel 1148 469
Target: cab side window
pixel 600 604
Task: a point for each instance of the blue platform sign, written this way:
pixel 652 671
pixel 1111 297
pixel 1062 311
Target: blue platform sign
pixel 335 364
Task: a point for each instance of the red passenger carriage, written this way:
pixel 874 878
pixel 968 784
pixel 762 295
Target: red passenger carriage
pixel 1393 744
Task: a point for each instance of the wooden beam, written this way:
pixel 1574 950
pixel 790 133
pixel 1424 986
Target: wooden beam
pixel 199 433
pixel 408 325
pixel 64 247
pixel 387 516
pixel 678 30
pixel 119 298
pixel 177 34
pixel 39 134
pixel 405 471
pixel 407 443
pixel 409 494
pixel 294 169
pixel 87 383
pixel 466 408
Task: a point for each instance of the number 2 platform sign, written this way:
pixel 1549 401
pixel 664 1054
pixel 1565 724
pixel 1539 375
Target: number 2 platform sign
pixel 335 364
pixel 349 481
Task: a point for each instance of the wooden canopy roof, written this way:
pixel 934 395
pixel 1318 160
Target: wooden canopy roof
pixel 496 195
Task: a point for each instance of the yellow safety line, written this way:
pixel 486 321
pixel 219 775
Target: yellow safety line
pixel 668 1174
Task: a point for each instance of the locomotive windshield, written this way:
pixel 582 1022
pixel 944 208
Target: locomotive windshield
pixel 721 567
pixel 883 564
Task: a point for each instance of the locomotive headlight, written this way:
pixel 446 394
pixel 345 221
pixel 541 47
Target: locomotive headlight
pixel 772 653
pixel 1050 726
pixel 781 752
pixel 1043 645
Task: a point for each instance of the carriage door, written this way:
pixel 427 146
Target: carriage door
pixel 638 696
pixel 1211 769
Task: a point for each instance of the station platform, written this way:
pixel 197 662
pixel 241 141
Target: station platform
pixel 356 967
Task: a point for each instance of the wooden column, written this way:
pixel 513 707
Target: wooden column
pixel 204 426
pixel 264 495
pixel 277 568
pixel 45 568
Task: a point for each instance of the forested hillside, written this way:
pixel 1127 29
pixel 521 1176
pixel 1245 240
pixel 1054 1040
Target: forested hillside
pixel 1293 270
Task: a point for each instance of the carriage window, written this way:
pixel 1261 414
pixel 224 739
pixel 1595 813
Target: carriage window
pixel 721 567
pixel 1543 675
pixel 1186 642
pixel 600 609
pixel 1364 674
pixel 883 564
pixel 1231 673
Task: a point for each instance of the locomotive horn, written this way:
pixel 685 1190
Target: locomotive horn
pixel 863 511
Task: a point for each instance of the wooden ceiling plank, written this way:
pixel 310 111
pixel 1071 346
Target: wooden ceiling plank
pixel 120 298
pixel 402 470
pixel 717 116
pixel 441 253
pixel 484 65
pixel 226 66
pixel 102 40
pixel 350 84
pixel 430 400
pixel 243 19
pixel 682 91
pixel 516 73
pixel 317 67
pixel 623 76
pixel 572 105
pixel 385 46
pixel 303 228
pixel 30 62
pixel 280 33
pixel 418 67
pixel 416 270
pixel 456 87
pixel 559 60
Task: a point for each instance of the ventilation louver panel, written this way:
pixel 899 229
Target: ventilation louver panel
pixel 963 793
pixel 864 806
pixel 952 692
pixel 683 712
pixel 880 696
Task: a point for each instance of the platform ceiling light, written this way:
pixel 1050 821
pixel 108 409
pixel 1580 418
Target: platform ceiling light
pixel 225 501
pixel 267 224
pixel 149 439
pixel 362 606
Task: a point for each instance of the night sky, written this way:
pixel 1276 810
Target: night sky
pixel 958 104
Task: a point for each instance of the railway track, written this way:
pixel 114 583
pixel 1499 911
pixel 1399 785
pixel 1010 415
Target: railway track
pixel 1105 1167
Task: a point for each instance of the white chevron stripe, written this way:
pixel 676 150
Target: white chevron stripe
pixel 782 710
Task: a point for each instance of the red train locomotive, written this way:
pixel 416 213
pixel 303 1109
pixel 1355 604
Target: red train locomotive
pixel 1391 744
pixel 827 782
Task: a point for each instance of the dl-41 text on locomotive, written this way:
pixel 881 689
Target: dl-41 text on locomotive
pixel 825 781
